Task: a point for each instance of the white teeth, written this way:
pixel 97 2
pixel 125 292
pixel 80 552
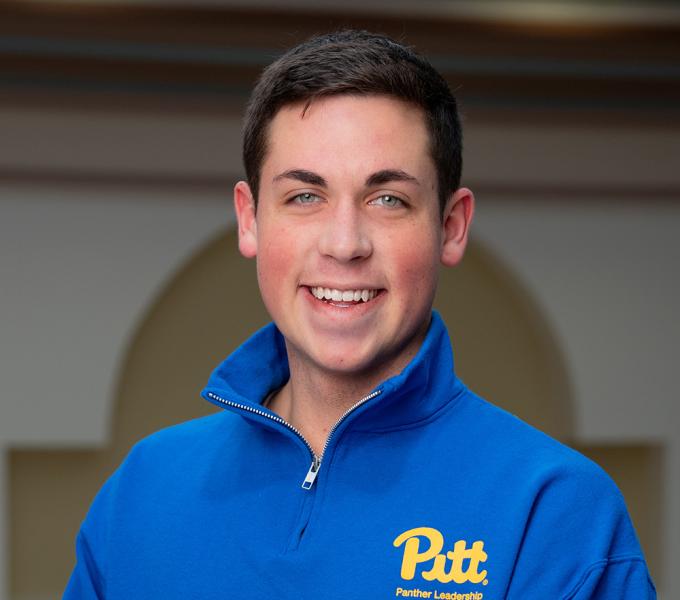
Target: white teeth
pixel 343 295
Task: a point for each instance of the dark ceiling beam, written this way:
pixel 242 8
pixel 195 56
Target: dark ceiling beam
pixel 216 53
pixel 94 49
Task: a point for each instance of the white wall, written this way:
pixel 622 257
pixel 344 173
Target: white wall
pixel 79 266
pixel 606 276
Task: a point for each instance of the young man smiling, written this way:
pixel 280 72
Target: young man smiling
pixel 350 461
pixel 347 191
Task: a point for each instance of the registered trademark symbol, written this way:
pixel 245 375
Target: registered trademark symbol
pixel 485 582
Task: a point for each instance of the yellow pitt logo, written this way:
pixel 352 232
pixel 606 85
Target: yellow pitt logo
pixel 413 556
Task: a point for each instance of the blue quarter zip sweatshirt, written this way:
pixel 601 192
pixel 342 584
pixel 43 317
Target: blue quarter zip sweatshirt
pixel 424 490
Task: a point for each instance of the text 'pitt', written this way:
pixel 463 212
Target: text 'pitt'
pixel 464 561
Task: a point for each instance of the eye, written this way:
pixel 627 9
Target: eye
pixel 305 198
pixel 388 201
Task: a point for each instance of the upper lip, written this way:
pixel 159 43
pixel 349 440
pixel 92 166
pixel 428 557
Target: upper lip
pixel 343 286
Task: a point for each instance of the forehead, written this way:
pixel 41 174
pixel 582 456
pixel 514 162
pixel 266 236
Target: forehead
pixel 347 133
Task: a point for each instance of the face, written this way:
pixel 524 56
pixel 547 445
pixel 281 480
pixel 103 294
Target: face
pixel 348 233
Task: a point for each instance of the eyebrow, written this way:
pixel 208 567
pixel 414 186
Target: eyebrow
pixel 389 175
pixel 378 178
pixel 307 177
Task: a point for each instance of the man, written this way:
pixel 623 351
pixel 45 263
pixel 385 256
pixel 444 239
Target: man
pixel 350 461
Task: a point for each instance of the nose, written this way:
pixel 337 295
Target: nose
pixel 344 236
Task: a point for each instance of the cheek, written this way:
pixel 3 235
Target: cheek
pixel 419 283
pixel 416 260
pixel 275 260
pixel 415 269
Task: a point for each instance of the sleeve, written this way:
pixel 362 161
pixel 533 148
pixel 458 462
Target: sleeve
pixel 86 581
pixel 579 542
pixel 105 533
pixel 616 579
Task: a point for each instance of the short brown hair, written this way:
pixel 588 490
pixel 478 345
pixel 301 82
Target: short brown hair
pixel 358 63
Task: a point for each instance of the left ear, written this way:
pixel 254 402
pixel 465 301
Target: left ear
pixel 456 221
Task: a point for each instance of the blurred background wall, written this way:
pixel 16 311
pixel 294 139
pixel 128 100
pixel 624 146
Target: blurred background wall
pixel 121 286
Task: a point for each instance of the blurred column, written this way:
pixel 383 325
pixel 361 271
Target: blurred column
pixel 4 520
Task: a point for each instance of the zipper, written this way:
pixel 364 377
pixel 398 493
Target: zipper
pixel 311 474
pixel 316 460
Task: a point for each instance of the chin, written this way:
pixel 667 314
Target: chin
pixel 341 366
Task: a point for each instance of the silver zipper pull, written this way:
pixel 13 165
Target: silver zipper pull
pixel 311 474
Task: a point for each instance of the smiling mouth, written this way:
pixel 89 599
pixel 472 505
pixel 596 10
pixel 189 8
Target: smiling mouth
pixel 333 295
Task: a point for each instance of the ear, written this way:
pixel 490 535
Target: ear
pixel 456 221
pixel 244 204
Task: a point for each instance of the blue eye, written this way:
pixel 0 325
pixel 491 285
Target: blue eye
pixel 388 201
pixel 305 198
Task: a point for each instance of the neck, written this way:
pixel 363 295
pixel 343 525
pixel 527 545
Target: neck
pixel 313 401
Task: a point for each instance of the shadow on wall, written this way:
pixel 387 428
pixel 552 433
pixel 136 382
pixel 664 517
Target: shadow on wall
pixel 504 351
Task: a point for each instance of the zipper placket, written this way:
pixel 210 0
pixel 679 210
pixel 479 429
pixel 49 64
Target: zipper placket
pixel 316 460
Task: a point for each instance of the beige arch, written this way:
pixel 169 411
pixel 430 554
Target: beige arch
pixel 505 352
pixel 504 349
